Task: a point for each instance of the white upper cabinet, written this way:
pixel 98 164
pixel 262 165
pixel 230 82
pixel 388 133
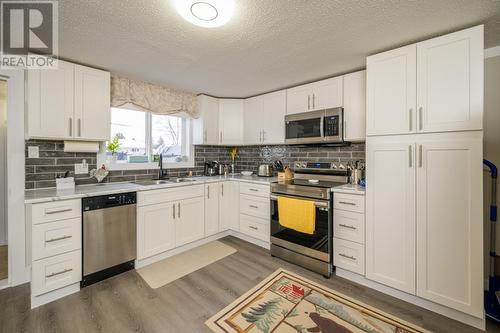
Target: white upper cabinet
pixel 319 95
pixel 391 92
pixel 390 213
pixel 230 121
pixel 327 93
pixel 71 102
pixel 449 221
pixel 298 99
pixel 355 106
pixel 92 104
pixel 450 82
pixel 274 107
pixel 206 127
pixel 50 102
pixel 253 120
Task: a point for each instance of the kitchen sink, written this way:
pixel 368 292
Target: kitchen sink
pixel 153 182
pixel 183 180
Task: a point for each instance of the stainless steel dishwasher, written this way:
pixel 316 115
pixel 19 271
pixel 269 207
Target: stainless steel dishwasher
pixel 109 236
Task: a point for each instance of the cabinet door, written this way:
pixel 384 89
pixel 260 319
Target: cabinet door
pixel 274 117
pixel 206 127
pixel 231 121
pixel 211 209
pixel 390 214
pixel 299 99
pixel 155 229
pixel 450 82
pixel 355 106
pixel 327 93
pixel 229 206
pixel 391 92
pixel 50 102
pixel 253 120
pixel 190 221
pixel 92 104
pixel 450 223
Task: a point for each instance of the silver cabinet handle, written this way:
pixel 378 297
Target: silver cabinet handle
pixel 314 98
pixel 208 192
pixel 57 239
pixel 346 256
pixel 64 210
pixel 222 189
pixel 411 119
pixel 347 203
pixel 410 155
pixel 253 190
pixel 173 210
pixel 253 206
pixel 70 126
pixel 308 102
pixel 252 227
pixel 348 226
pixel 79 127
pixel 59 273
pixel 420 156
pixel 179 210
pixel 420 118
pixel 220 135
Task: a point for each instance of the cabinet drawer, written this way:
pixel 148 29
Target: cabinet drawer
pixel 57 237
pixel 169 194
pixel 349 226
pixel 56 272
pixel 56 210
pixel 254 189
pixel 255 206
pixel 255 227
pixel 349 256
pixel 350 202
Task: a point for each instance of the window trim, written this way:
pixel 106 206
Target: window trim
pixel 187 130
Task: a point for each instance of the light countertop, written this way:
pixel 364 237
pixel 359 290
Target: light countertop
pixel 349 189
pixel 81 191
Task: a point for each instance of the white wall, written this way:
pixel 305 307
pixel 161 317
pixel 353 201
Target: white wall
pixel 491 139
pixel 3 164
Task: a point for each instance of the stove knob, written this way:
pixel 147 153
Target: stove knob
pixel 304 165
pixel 297 164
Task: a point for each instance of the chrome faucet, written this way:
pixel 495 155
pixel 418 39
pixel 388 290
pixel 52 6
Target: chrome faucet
pixel 161 173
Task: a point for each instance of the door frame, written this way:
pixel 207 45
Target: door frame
pixel 18 272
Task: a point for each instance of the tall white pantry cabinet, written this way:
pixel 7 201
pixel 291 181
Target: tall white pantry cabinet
pixel 424 218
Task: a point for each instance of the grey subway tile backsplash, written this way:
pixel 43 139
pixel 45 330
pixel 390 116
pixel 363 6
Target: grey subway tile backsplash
pixel 41 172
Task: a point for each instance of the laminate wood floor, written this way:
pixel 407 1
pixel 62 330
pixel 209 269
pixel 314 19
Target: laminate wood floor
pixel 125 303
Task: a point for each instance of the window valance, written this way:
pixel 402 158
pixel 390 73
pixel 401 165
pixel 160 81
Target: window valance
pixel 151 97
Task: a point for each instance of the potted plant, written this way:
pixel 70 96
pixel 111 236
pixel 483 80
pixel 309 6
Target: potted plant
pixel 113 147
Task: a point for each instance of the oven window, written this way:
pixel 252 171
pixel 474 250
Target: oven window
pixel 306 128
pixel 317 241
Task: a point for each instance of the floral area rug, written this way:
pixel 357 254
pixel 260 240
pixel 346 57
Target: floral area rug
pixel 286 302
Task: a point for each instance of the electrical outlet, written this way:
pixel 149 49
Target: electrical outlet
pixel 81 168
pixel 33 152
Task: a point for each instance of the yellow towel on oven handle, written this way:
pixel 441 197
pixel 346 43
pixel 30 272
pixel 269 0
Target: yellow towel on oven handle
pixel 297 214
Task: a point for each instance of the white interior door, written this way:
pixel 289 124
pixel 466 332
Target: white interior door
pixel 92 104
pixel 450 222
pixel 390 213
pixel 253 120
pixel 190 221
pixel 274 117
pixel 391 92
pixel 450 82
pixel 327 93
pixel 355 106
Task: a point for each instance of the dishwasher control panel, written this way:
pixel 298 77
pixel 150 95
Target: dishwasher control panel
pixel 107 201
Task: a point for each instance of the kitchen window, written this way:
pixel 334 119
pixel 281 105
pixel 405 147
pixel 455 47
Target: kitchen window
pixel 143 136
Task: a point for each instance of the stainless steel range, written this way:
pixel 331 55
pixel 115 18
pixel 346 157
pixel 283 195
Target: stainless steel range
pixel 312 182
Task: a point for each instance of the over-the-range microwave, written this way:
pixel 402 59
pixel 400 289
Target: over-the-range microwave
pixel 315 127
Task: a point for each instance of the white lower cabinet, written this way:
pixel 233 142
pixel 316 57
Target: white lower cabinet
pixel 155 229
pixel 189 223
pixel 229 207
pixel 349 255
pixel 255 227
pixel 211 209
pixel 255 211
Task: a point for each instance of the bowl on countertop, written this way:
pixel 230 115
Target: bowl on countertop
pixel 247 173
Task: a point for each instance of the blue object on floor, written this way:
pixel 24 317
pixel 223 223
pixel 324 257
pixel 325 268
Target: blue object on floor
pixel 492 295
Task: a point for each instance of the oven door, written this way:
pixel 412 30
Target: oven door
pixel 317 245
pixel 307 127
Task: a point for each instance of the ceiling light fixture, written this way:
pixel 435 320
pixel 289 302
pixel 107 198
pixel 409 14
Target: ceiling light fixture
pixel 206 13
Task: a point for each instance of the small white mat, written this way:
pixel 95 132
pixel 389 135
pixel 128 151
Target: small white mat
pixel 163 272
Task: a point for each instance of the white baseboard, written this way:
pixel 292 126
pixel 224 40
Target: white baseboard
pixel 237 234
pixel 36 301
pixel 479 323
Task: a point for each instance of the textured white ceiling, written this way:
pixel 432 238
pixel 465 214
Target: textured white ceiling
pixel 267 45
